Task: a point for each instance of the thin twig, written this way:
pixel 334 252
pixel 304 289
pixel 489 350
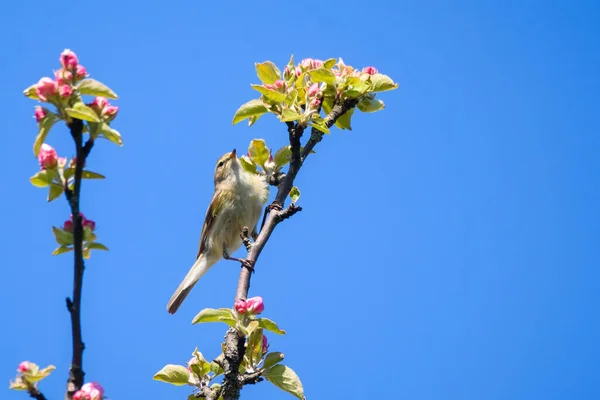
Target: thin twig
pixel 76 374
pixel 33 391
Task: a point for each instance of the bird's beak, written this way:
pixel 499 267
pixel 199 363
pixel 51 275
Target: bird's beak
pixel 232 154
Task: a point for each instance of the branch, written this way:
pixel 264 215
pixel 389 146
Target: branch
pixel 33 391
pixel 208 393
pixel 234 352
pixel 76 374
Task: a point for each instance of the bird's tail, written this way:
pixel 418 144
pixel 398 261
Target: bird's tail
pixel 200 267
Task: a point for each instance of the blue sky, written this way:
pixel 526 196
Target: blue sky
pixel 446 249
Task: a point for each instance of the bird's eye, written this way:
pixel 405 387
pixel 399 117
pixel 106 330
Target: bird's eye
pixel 220 164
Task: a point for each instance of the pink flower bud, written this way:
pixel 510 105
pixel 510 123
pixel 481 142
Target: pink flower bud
pixel 269 86
pixel 80 71
pixel 298 71
pixel 40 113
pixel 80 395
pixel 279 84
pixel 45 88
pixel 90 224
pixel 192 361
pixel 110 112
pixel 317 64
pixel 307 63
pixel 265 344
pixel 369 70
pixel 255 305
pixel 287 73
pixel 240 306
pixel 92 391
pixel 315 103
pixel 68 59
pixel 47 157
pixel 99 103
pixel 65 91
pixel 63 76
pixel 24 367
pixel 68 226
pixel 313 90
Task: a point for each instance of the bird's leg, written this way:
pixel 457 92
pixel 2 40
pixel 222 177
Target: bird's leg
pixel 273 206
pixel 249 264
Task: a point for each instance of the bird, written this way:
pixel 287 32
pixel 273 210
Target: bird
pixel 237 202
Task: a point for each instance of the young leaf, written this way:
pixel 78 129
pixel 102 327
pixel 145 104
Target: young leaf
pixel 18 384
pixel 216 368
pixel 294 194
pixel 111 134
pixel 322 75
pixel 272 359
pixel 259 153
pixel 42 178
pixel 69 172
pixel 87 253
pixel 253 108
pixel 40 374
pixel 30 92
pixel 271 95
pixel 282 156
pixel 83 112
pixel 62 237
pixel 267 72
pixel 214 315
pixel 320 125
pixel 248 164
pixel 381 83
pixel 55 191
pixel 329 63
pixel 286 379
pixel 369 104
pixel 288 115
pixel 254 347
pixel 45 126
pixel 269 325
pixel 97 246
pixel 91 175
pixel 61 250
pixel 94 88
pixel 177 375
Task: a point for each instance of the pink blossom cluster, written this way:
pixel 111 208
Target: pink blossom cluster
pixel 314 94
pixel 48 89
pixel 309 63
pixel 253 305
pixel 68 225
pixel 24 367
pixel 89 391
pixel 103 108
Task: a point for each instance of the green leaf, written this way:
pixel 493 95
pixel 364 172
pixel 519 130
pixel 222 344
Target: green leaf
pixel 294 194
pixel 342 122
pixel 253 108
pixel 69 172
pixel 288 115
pixel 329 63
pixel 369 104
pixel 252 120
pixel 45 125
pixel 269 325
pixel 91 175
pixel 322 75
pixel 18 384
pixel 55 191
pixel 267 72
pixel 97 246
pixel 63 238
pixel 216 368
pixel 61 250
pixel 214 315
pixel 40 374
pixel 381 83
pixel 254 347
pixel 301 81
pixel 111 134
pixel 285 379
pixel 356 87
pixel 259 153
pixel 83 112
pixel 248 164
pixel 177 375
pixel 42 178
pixel 94 88
pixel 87 253
pixel 272 359
pixel 320 125
pixel 291 98
pixel 30 92
pixel 271 95
pixel 282 156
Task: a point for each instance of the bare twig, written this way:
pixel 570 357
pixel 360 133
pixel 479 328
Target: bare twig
pixel 246 239
pixel 33 391
pixel 76 374
pixel 274 214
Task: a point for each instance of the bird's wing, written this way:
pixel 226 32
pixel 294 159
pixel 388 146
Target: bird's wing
pixel 209 219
